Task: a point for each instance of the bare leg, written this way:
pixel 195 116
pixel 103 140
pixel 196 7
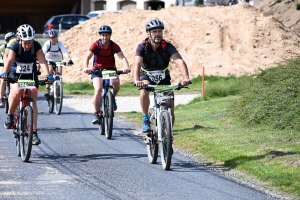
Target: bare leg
pixel 97 83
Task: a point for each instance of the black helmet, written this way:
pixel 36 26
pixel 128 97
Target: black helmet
pixel 154 24
pixel 8 36
pixel 52 33
pixel 105 29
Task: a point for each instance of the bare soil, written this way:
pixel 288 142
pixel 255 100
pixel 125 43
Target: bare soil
pixel 226 40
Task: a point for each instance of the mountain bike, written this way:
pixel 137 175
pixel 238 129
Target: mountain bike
pixel 23 118
pixel 161 133
pixel 55 99
pixel 106 112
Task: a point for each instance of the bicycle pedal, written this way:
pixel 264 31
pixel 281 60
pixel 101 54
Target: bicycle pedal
pixel 147 140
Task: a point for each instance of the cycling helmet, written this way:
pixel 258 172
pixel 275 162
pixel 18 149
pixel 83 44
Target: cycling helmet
pixel 154 24
pixel 52 33
pixel 8 36
pixel 105 29
pixel 26 32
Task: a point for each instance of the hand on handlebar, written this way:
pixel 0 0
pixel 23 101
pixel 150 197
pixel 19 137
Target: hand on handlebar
pixel 49 77
pixel 3 75
pixel 87 70
pixel 126 70
pixel 186 82
pixel 70 62
pixel 139 84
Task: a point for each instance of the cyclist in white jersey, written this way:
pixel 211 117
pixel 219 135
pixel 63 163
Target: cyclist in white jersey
pixel 55 51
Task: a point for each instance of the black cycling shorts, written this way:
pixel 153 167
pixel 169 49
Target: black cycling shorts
pixel 33 76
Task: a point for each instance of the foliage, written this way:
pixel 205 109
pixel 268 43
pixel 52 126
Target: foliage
pixel 273 97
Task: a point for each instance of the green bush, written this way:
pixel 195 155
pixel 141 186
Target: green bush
pixel 273 97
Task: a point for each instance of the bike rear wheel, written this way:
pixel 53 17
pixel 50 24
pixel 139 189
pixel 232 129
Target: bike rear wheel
pixel 152 146
pixel 109 115
pixel 26 133
pixel 166 149
pixel 58 101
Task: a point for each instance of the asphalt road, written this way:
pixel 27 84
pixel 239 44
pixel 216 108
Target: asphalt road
pixel 75 162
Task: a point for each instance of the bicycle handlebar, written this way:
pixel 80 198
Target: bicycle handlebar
pixel 152 88
pixel 15 80
pixel 99 71
pixel 55 64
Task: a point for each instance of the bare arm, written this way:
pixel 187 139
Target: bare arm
pixel 124 60
pixel 42 61
pixel 86 62
pixel 183 68
pixel 138 61
pixel 8 60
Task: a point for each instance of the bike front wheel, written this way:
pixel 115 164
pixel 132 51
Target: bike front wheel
pixel 109 115
pixel 58 100
pixel 26 133
pixel 166 149
pixel 152 146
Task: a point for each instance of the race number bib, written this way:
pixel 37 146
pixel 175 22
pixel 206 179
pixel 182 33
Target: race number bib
pixel 109 74
pixel 26 84
pixel 156 76
pixel 53 56
pixel 24 68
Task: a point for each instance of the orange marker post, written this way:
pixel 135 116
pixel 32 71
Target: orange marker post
pixel 203 82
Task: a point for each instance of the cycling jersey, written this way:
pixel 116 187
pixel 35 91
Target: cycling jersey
pixel 105 58
pixel 54 53
pixel 24 62
pixel 155 60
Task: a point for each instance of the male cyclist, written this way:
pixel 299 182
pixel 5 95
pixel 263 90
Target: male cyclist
pixel 151 66
pixel 54 51
pixel 22 55
pixel 103 51
pixel 9 39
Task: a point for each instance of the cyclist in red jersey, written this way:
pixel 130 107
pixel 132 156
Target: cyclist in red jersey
pixel 103 51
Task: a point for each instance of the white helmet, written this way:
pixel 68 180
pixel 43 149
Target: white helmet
pixel 26 32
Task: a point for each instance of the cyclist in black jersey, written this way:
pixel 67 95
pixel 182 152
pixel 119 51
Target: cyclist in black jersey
pixel 151 63
pixel 21 62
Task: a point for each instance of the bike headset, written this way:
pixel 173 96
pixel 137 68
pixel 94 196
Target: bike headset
pixel 153 24
pixel 105 29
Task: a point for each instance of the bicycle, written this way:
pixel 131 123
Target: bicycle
pixel 55 99
pixel 161 131
pixel 106 112
pixel 23 118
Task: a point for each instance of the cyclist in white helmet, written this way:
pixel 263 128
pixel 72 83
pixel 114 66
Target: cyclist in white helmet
pixel 24 54
pixel 9 39
pixel 55 51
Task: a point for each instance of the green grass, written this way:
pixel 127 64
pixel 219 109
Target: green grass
pixel 249 124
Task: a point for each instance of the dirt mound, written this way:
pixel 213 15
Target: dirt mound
pixel 234 40
pixel 284 11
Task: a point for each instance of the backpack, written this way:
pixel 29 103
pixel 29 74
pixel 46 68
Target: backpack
pixel 98 50
pixel 164 54
pixel 58 48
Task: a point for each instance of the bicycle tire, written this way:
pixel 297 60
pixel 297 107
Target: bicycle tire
pixel 59 100
pixel 50 104
pixel 16 131
pixel 101 125
pixel 166 149
pixel 6 105
pixel 26 133
pixel 109 114
pixel 152 147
